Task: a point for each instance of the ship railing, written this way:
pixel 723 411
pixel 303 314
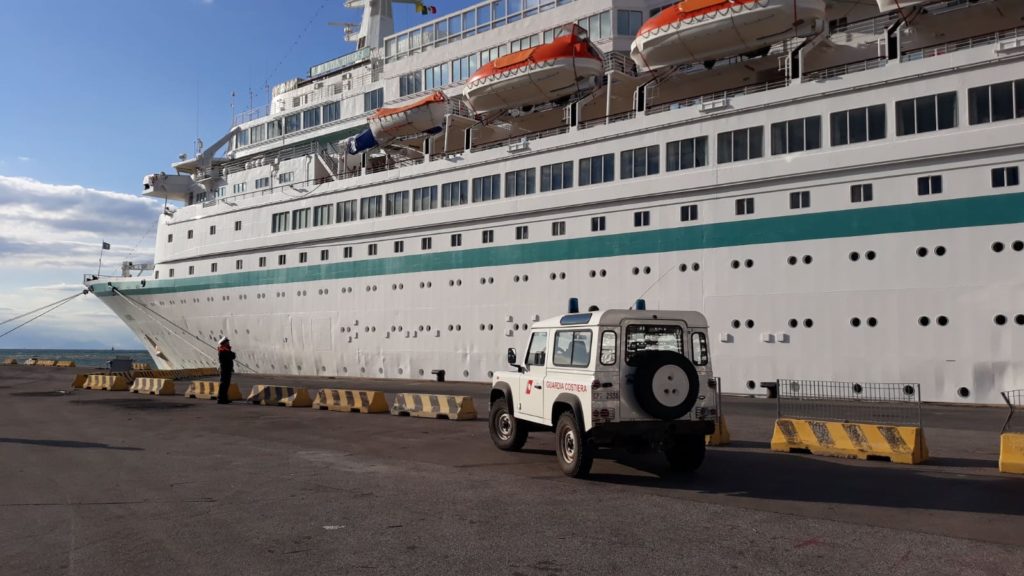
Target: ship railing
pixel 844 69
pixel 871 26
pixel 520 138
pixel 251 114
pixel 1013 34
pixel 619 62
pixel 1015 401
pixel 392 165
pixel 610 119
pixel 897 404
pixel 717 96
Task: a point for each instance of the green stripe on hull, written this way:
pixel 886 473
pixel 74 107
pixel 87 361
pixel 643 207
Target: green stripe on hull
pixel 930 215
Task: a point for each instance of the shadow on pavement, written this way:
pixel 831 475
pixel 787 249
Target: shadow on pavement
pixel 65 444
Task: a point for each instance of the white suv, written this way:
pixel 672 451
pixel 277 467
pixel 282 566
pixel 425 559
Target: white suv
pixel 638 378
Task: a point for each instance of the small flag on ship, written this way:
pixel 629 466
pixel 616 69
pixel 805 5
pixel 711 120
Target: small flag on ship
pixel 106 246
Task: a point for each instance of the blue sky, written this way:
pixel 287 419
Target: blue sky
pixel 97 94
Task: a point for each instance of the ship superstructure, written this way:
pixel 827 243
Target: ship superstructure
pixel 840 195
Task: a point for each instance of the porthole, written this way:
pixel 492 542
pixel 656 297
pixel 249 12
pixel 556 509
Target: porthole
pixel 552 275
pixel 458 327
pixel 515 326
pixel 963 392
pixel 490 374
pixel 420 371
pixel 999 319
pixel 515 278
pixel 696 266
pixel 430 284
pixel 490 280
pixel 451 282
pixel 808 259
pixel 465 373
pixel 791 260
pixel 401 371
pixel 401 286
pixel 997 246
pixel 872 322
pixel 380 370
pixel 635 271
pixel 682 267
pixel 748 263
pixel 374 288
pixel 808 323
pixel 750 323
pixel 940 250
pixel 1019 319
pixel 735 264
pixel 392 328
pixel 422 285
pixel 647 269
pixel 854 256
pixel 603 273
pixel 910 390
pixel 373 328
pixel 924 321
pixel 858 389
pixel 482 327
pixel 793 322
pixel 751 385
pixel 458 282
pixel 367 288
pixel 526 277
pixel 855 322
pixel 450 327
pixel 490 326
pixel 1018 246
pixel 922 251
pixel 736 324
pixel 942 320
pixel 401 329
pixel 483 280
pixel 593 273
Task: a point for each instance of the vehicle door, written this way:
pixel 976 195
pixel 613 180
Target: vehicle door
pixel 531 393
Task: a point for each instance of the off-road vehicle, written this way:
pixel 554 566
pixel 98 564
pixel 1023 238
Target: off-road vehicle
pixel 638 378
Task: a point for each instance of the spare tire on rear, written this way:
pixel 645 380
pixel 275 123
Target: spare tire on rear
pixel 665 384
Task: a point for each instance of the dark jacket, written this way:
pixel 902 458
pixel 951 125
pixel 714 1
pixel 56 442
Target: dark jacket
pixel 227 360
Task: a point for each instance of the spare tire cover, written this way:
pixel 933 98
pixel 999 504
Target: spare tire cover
pixel 665 384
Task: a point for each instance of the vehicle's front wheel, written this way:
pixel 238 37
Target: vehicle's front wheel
pixel 575 455
pixel 686 453
pixel 507 433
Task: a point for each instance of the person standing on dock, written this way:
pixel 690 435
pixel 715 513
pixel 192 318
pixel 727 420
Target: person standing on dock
pixel 227 367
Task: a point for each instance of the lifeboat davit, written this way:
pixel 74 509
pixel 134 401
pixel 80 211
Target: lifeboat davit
pixel 707 30
pixel 567 66
pixel 424 116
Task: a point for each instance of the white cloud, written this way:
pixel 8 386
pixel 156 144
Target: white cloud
pixel 24 159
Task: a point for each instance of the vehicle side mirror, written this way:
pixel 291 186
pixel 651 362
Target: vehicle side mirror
pixel 512 356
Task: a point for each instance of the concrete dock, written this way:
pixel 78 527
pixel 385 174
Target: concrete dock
pixel 110 483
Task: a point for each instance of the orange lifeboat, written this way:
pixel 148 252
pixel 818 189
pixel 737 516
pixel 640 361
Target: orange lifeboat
pixel 424 116
pixel 707 30
pixel 565 67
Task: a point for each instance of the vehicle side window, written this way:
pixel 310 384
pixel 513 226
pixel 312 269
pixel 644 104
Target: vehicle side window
pixel 609 342
pixel 700 348
pixel 572 348
pixel 538 344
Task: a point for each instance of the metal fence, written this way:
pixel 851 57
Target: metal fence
pixel 870 403
pixel 1015 400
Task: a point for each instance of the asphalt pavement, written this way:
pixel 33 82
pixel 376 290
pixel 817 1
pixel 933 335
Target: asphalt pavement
pixel 112 483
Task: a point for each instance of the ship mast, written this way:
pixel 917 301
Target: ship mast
pixel 379 21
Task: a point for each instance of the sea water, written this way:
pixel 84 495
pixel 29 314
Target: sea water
pixel 83 358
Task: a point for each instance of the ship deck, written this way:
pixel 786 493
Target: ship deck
pixel 116 483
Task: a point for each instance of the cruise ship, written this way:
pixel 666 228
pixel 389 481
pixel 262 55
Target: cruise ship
pixel 835 184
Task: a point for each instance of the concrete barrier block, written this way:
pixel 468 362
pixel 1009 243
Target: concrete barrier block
pixel 362 401
pixel 1011 453
pixel 208 390
pixel 10 361
pixel 157 386
pixel 270 395
pixel 720 437
pixel 434 406
pixel 900 444
pixel 111 382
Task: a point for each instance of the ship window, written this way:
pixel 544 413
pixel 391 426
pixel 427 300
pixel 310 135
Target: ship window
pixel 558 228
pixel 638 162
pixel 191 270
pixel 346 252
pixel 238 225
pixel 238 264
pixel 257 133
pixel 929 185
pixel 170 238
pixel 346 211
pixel 242 138
pixel 597 169
pixel 279 222
pixel 739 145
pixel 424 198
pixel 454 193
pixel 399 246
pixel 370 207
pixel 799 200
pixel 285 177
pixel 426 243
pixel 322 214
pixel 995 102
pixel 292 123
pixel 597 224
pixel 796 135
pixel 373 99
pixel 598 26
pixel 189 235
pixel 686 154
pixel 518 183
pixel 627 22
pixel 926 114
pixel 688 213
pixel 274 128
pixel 170 273
pixel 410 83
pixel 861 193
pixel 556 176
pixel 522 232
pixel 435 77
pixel 396 203
pixel 641 219
pixel 371 250
pixel 1007 176
pixel 263 262
pixel 311 118
pixel 303 257
pixel 456 240
pixel 332 112
pixel 281 259
pixel 487 188
pixel 238 188
pixel 744 206
pixel 213 267
pixel 487 237
pixel 300 218
pixel 858 125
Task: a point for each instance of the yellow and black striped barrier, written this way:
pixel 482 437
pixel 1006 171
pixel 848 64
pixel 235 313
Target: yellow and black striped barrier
pixel 434 406
pixel 208 390
pixel 65 364
pixel 157 386
pixel 720 437
pixel 1011 453
pixel 900 444
pixel 362 401
pixel 141 366
pixel 269 395
pixel 113 382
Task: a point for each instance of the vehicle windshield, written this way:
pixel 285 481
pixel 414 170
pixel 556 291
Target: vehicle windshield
pixel 644 337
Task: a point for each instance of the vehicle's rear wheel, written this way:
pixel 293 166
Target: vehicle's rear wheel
pixel 686 453
pixel 575 454
pixel 507 433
